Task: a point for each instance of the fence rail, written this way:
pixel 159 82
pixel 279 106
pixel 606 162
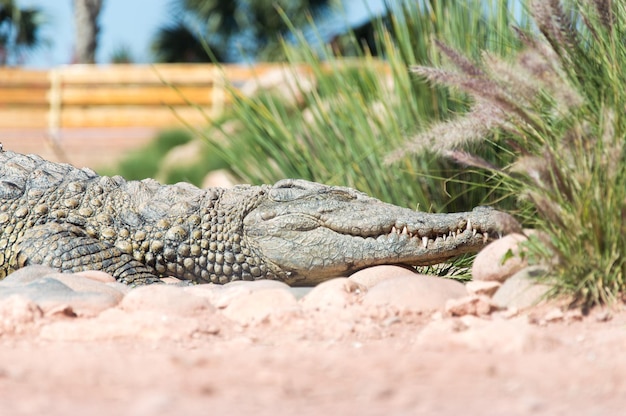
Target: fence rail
pixel 89 115
pixel 85 96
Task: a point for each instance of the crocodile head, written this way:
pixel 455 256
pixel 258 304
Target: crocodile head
pixel 311 232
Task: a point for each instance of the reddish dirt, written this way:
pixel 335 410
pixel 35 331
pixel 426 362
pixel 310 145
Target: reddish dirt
pixel 316 363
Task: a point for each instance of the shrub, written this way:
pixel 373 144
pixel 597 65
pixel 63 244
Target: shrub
pixel 559 106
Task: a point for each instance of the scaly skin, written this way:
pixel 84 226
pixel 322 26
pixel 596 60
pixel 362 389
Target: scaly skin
pixel 139 231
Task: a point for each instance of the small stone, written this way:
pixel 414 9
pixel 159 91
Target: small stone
pixel 603 315
pixel 97 275
pixel 470 305
pixel 79 283
pixel 115 323
pixel 554 315
pixel 17 313
pixel 27 274
pixel 222 295
pixel 500 259
pixel 257 305
pixel 510 312
pixel 169 300
pixel 334 293
pixel 419 293
pixel 50 294
pixel 482 287
pixel 220 178
pixel 371 276
pixel 504 336
pixel 574 315
pixel 522 290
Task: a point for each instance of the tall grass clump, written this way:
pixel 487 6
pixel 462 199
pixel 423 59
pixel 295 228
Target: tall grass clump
pixel 558 106
pixel 344 115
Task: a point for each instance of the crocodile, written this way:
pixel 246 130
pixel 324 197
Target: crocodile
pixel 294 231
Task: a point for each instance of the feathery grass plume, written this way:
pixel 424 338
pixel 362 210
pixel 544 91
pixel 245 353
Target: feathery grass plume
pixel 446 136
pixel 604 11
pixel 469 160
pixel 560 104
pixel 465 65
pixel 556 26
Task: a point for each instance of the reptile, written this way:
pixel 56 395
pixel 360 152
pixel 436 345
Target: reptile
pixel 294 231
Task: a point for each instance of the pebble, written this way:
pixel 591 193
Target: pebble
pixel 51 295
pixel 116 323
pixel 168 300
pixel 481 287
pixel 418 293
pixel 515 335
pixel 337 293
pixel 500 259
pixel 522 290
pixel 16 313
pixel 79 283
pixel 97 275
pixel 371 276
pixel 27 275
pixel 258 305
pixel 222 295
pixel 477 305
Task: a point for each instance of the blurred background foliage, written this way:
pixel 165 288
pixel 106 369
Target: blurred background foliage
pixel 342 105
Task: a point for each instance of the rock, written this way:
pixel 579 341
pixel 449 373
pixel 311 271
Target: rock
pixel 17 313
pixel 418 293
pixel 53 296
pixel 476 305
pixel 27 274
pixel 339 292
pixel 179 156
pixel 300 292
pixel 481 287
pixel 554 315
pixel 257 305
pixel 220 178
pixel 116 323
pixel 222 295
pixel 521 290
pixel 503 336
pixel 288 84
pixel 120 287
pixel 167 300
pixel 370 276
pixel 500 259
pixel 79 283
pixel 97 275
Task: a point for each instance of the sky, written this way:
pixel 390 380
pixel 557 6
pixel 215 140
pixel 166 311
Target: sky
pixel 132 24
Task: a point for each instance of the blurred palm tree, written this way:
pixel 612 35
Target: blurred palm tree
pixel 86 14
pixel 19 31
pixel 231 29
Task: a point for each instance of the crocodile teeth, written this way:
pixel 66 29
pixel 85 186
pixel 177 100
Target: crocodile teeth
pixel 405 231
pixel 425 242
pixel 474 232
pixel 485 238
pixel 394 230
pixel 469 225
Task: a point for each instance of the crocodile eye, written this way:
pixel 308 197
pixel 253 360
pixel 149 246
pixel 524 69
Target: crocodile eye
pixel 291 189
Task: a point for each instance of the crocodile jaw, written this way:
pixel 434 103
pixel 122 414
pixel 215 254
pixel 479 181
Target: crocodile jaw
pixel 312 240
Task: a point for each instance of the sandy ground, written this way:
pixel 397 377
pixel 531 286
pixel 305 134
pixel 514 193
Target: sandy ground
pixel 320 362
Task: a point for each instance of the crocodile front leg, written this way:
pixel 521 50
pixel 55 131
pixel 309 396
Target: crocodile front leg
pixel 68 248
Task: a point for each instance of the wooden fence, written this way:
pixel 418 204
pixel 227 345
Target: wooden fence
pixel 85 96
pixel 90 115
